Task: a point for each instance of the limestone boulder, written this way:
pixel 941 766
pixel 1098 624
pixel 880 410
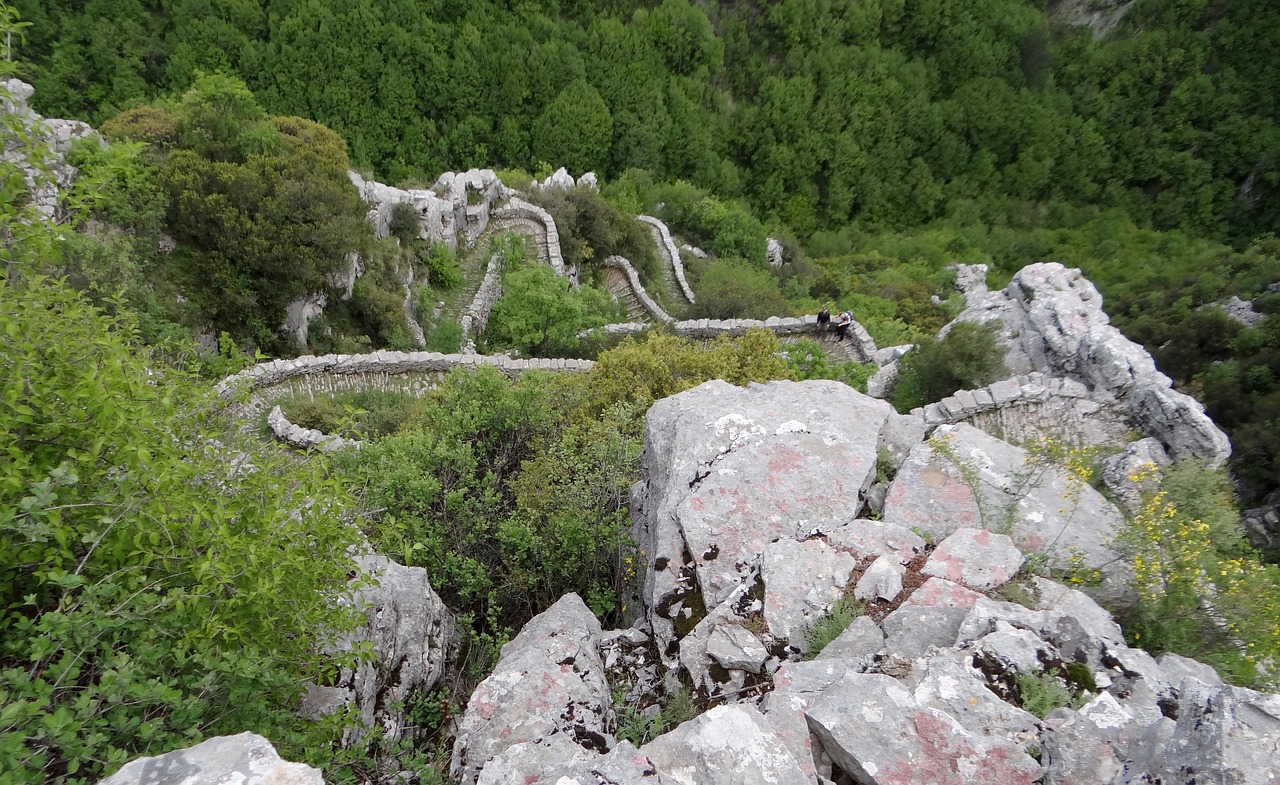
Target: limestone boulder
pixel 549 680
pixel 735 648
pixel 875 730
pixel 730 470
pixel 802 581
pixel 859 642
pixel 975 557
pixel 728 745
pixel 1224 736
pixel 964 478
pixel 1089 745
pixel 245 759
pixel 413 638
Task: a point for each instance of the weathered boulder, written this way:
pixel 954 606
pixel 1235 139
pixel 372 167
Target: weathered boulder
pixel 734 647
pixel 413 639
pixel 966 478
pixel 930 618
pixel 558 761
pixel 729 745
pixel 549 680
pixel 244 759
pixel 875 730
pixel 802 580
pixel 1122 473
pixel 729 470
pixel 975 557
pixel 1224 736
pixel 1089 745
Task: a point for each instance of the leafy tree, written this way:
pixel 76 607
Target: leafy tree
pixel 729 289
pixel 575 130
pixel 540 313
pixel 148 593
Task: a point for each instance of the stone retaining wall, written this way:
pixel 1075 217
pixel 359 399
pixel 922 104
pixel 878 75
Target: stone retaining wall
pixel 862 346
pixel 408 372
pixel 668 246
pixel 637 288
pixel 517 207
pixel 476 318
pixel 1035 405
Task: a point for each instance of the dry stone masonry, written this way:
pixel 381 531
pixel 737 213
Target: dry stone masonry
pixel 669 252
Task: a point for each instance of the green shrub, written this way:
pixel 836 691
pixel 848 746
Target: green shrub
pixel 443 271
pixel 735 289
pixel 446 338
pixel 969 356
pixel 827 628
pixel 1041 693
pixel 404 223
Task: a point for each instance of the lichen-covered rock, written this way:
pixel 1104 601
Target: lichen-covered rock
pixel 875 730
pixel 859 642
pixel 1089 745
pixel 734 647
pixel 729 470
pixel 244 759
pixel 802 580
pixel 412 637
pixel 975 557
pixel 1050 319
pixel 1224 736
pixel 549 680
pixel 966 478
pixel 729 745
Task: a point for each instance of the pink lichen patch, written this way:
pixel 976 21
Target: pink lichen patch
pixel 939 593
pixel 948 756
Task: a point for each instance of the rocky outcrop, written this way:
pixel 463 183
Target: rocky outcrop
pixel 1050 320
pixel 549 682
pixel 245 759
pixel 457 202
pixel 40 157
pixel 747 517
pixel 412 637
pixel 1238 310
pixel 963 477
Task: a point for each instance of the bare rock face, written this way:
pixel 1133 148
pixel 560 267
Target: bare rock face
pixel 549 681
pixel 976 558
pixel 413 638
pixel 246 759
pixel 729 470
pixel 966 478
pixel 1050 320
pixel 729 745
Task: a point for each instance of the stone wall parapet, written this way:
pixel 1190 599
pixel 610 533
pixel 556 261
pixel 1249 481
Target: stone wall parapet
pixel 668 246
pixel 637 288
pixel 519 208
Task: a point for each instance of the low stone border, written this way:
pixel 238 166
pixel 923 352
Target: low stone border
pixel 781 326
pixel 1034 387
pixel 519 208
pixel 266 382
pixel 637 288
pixel 476 318
pixel 667 244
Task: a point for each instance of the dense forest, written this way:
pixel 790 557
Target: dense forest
pixel 879 140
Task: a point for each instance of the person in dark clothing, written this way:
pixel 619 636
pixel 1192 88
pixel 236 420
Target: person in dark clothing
pixel 842 325
pixel 824 318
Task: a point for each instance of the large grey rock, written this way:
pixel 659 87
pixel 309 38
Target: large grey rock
pixel 412 636
pixel 736 648
pixel 975 557
pixel 930 618
pixel 729 745
pixel 949 683
pixel 1177 668
pixel 728 470
pixel 1050 319
pixel 802 580
pixel 874 729
pixel 966 478
pixel 867 539
pixel 559 761
pixel 549 680
pixel 1122 473
pixel 243 759
pixel 1089 745
pixel 1224 736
